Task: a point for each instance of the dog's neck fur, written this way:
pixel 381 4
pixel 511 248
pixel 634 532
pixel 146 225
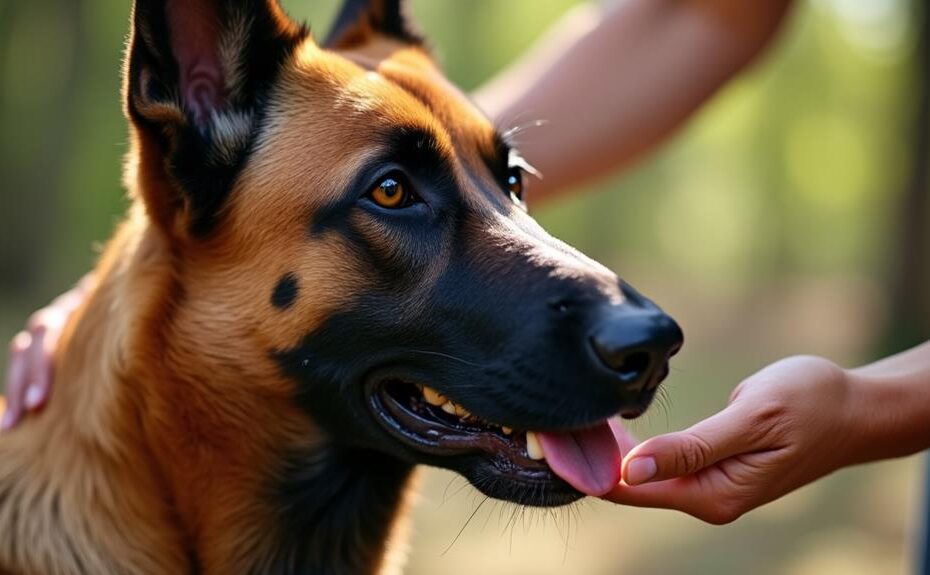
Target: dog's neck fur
pixel 131 468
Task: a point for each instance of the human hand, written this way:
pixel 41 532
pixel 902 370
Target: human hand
pixel 787 425
pixel 31 365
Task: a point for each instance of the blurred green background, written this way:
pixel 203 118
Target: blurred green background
pixel 789 217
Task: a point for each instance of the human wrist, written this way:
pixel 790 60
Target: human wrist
pixel 890 414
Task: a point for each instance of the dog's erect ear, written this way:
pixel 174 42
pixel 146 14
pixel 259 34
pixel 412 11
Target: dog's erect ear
pixel 196 76
pixel 360 20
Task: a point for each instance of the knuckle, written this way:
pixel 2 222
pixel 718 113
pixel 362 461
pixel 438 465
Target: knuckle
pixel 693 455
pixel 19 343
pixel 37 322
pixel 769 414
pixel 736 392
pixel 772 420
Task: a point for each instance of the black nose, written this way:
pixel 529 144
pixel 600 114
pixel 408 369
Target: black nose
pixel 636 345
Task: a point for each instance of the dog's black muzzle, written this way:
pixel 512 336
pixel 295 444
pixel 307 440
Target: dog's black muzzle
pixel 537 336
pixel 518 329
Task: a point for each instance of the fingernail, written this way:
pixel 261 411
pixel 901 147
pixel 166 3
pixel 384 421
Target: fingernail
pixel 641 470
pixel 33 397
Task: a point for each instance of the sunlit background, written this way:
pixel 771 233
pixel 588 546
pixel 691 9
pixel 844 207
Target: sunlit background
pixel 785 219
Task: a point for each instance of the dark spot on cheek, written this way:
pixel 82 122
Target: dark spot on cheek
pixel 285 293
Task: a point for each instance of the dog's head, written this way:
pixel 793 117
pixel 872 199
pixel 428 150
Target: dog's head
pixel 350 231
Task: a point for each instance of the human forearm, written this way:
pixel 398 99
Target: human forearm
pixel 612 82
pixel 892 403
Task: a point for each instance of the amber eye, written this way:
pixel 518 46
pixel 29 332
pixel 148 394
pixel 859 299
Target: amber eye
pixel 390 193
pixel 515 184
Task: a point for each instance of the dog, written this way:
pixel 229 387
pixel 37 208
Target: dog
pixel 326 277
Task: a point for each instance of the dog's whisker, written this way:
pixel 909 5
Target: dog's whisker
pixel 551 515
pixel 523 509
pixel 521 121
pixel 490 513
pixel 467 521
pixel 509 134
pixel 665 403
pixel 568 537
pixel 448 356
pixel 449 484
pixel 510 525
pixel 461 488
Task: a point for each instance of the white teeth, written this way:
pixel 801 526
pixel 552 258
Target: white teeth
pixel 533 448
pixel 433 397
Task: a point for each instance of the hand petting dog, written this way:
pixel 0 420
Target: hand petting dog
pixel 29 375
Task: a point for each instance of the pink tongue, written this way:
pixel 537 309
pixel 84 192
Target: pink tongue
pixel 588 460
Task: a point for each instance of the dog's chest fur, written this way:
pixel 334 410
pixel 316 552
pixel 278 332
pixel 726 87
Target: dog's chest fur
pixel 173 443
pixel 87 489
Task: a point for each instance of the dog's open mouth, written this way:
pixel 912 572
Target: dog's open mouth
pixel 587 459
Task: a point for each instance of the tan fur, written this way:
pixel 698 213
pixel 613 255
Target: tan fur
pixel 167 409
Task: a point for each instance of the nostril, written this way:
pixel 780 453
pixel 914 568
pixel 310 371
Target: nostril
pixel 633 365
pixel 629 364
pixel 635 345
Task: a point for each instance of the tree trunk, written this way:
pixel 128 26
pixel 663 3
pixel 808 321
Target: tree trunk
pixel 910 288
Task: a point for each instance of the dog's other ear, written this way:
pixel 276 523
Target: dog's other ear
pixel 361 20
pixel 196 75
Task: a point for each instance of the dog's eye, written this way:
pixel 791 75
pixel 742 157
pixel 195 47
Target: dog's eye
pixel 515 184
pixel 391 193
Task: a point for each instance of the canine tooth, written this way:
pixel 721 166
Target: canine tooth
pixel 460 411
pixel 533 448
pixel 448 407
pixel 506 430
pixel 432 396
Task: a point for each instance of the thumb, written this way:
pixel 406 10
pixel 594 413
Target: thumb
pixel 687 452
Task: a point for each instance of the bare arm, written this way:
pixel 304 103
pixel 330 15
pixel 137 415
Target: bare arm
pixel 613 81
pixel 896 391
